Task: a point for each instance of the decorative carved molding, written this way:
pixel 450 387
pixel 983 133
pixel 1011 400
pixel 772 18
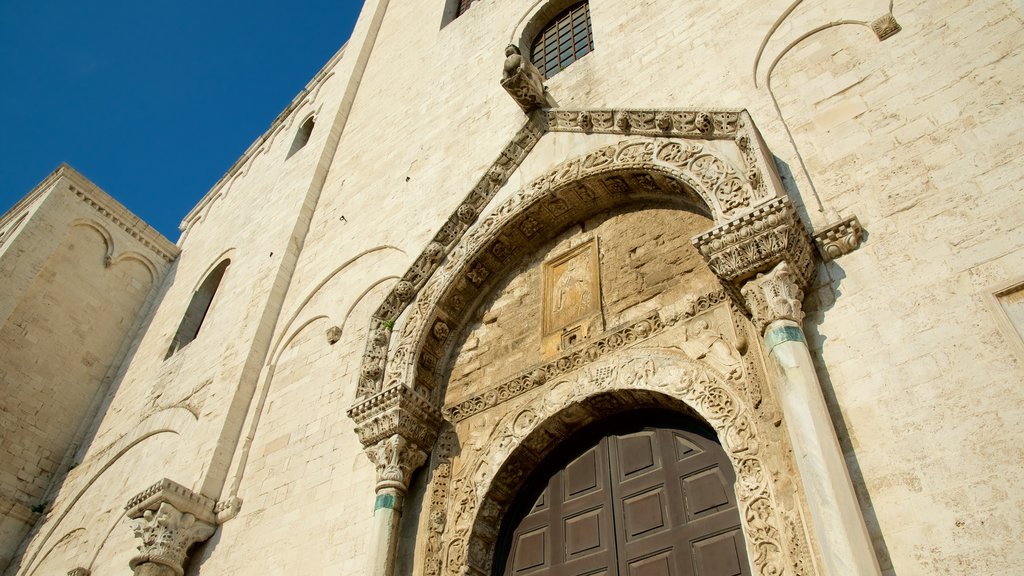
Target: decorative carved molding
pixel 757 242
pixel 471 492
pixel 885 26
pixel 395 459
pixel 169 518
pixel 625 336
pixel 774 296
pixel 629 171
pixel 697 167
pixel 79 572
pixel 149 238
pixel 227 509
pixel 397 411
pixel 371 379
pixel 166 534
pixel 839 239
pixel 169 491
pixel 689 123
pixel 522 80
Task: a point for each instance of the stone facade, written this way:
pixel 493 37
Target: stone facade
pixel 799 224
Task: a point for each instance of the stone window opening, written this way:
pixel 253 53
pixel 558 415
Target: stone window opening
pixel 198 309
pixel 563 40
pixel 302 136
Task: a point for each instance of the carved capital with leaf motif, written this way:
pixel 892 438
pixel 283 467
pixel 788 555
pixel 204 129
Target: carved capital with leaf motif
pixel 756 243
pixel 398 428
pixel 396 459
pixel 773 296
pixel 168 518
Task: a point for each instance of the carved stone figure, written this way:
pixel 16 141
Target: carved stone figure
pixel 522 80
pixel 702 342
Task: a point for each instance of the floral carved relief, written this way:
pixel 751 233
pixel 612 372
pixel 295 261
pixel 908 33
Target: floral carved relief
pixel 473 488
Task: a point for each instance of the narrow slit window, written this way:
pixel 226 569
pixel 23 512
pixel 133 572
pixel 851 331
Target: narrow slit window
pixel 567 38
pixel 302 136
pixel 197 309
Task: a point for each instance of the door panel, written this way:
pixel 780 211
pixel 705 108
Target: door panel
pixel 655 502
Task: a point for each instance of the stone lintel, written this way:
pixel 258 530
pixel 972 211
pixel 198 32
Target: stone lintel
pixel 839 239
pixel 181 498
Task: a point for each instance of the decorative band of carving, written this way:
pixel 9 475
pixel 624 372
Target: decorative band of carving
pixel 756 242
pixel 624 337
pixel 608 176
pixel 690 123
pixel 839 239
pixel 169 491
pixel 110 215
pixel 471 493
pixel 397 411
pixel 727 192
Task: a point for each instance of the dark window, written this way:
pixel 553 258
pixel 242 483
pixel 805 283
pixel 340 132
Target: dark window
pixel 197 309
pixel 463 6
pixel 302 136
pixel 563 41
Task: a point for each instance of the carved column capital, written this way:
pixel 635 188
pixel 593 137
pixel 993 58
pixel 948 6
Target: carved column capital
pixel 79 572
pixel 755 242
pixel 398 428
pixel 773 296
pixel 395 458
pixel 168 518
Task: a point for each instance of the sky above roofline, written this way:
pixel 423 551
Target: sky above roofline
pixel 152 101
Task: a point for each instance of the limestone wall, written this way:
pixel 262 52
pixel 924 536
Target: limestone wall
pixel 915 135
pixel 79 272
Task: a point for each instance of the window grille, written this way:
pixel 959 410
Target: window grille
pixel 564 40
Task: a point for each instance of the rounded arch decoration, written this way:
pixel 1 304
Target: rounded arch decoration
pixel 693 174
pixel 476 476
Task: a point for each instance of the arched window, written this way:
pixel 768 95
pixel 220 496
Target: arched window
pixel 197 309
pixel 302 136
pixel 565 39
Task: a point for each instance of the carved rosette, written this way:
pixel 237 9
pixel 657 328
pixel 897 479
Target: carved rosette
pixel 774 296
pixel 397 427
pixel 839 239
pixel 756 242
pixel 169 518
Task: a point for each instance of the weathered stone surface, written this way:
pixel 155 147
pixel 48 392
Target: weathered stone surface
pixel 417 156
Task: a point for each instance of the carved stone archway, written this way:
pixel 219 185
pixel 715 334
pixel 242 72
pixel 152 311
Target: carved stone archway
pixel 709 162
pixel 474 483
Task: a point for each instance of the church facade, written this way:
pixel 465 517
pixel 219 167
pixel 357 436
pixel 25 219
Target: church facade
pixel 551 287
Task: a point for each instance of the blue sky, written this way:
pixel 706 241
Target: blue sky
pixel 152 100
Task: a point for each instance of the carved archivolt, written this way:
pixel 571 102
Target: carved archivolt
pixel 633 170
pixel 471 490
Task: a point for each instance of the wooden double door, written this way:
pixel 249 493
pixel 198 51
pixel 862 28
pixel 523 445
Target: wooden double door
pixel 651 502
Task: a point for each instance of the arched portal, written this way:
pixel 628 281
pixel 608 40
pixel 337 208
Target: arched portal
pixel 646 492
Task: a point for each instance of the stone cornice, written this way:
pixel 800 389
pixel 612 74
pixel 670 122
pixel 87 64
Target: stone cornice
pixel 756 242
pixel 109 208
pixel 396 411
pixel 254 148
pixel 839 239
pixel 169 491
